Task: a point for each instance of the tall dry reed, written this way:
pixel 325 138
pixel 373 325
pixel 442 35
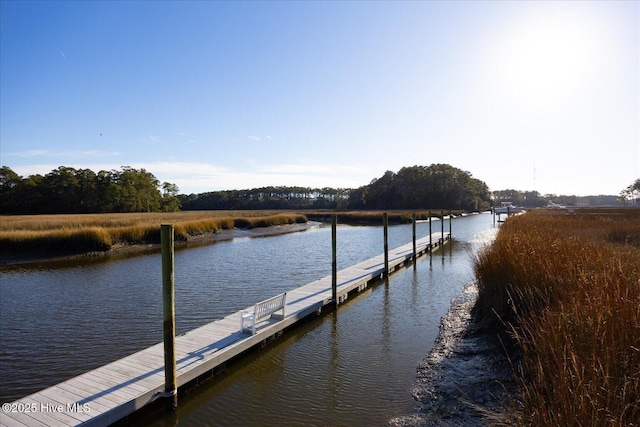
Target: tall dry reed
pixel 567 290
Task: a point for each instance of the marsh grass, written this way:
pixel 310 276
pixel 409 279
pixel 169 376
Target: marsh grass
pixel 64 234
pixel 279 219
pixel 566 290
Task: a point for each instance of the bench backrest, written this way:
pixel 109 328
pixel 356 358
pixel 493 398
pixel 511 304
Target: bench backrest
pixel 267 307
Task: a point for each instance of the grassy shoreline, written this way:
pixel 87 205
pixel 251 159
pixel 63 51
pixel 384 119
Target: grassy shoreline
pixel 61 235
pixel 75 234
pixel 565 290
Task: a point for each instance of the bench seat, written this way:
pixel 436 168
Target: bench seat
pixel 261 310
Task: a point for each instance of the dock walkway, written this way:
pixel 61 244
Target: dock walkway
pixel 112 392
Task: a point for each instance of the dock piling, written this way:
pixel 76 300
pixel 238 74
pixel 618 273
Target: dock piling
pixel 441 226
pixel 430 242
pixel 385 221
pixel 413 226
pixel 168 310
pixel 132 386
pixel 334 260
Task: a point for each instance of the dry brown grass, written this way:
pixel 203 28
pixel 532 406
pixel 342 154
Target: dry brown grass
pixel 23 234
pixel 567 289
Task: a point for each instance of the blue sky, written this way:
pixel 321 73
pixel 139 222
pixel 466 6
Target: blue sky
pixel 230 95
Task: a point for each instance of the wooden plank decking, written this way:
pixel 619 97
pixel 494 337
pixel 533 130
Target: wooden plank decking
pixel 112 392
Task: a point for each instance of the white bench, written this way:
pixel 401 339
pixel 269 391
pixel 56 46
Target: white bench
pixel 263 309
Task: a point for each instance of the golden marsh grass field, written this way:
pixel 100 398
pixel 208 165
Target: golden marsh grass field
pixel 565 288
pixel 65 234
pixel 83 233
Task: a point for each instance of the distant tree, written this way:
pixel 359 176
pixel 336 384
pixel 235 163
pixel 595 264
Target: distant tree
pixel 138 191
pixel 61 189
pixel 170 202
pixel 518 198
pixel 69 190
pixel 381 192
pixel 631 194
pixel 30 197
pixel 88 199
pixel 423 187
pixel 9 183
pixel 356 199
pixel 108 190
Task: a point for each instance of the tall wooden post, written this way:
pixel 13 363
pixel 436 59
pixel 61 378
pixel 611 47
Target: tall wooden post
pixel 450 223
pixel 168 315
pixel 430 232
pixel 413 223
pixel 334 260
pixel 385 223
pixel 441 226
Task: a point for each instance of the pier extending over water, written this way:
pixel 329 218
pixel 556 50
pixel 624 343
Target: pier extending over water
pixel 115 391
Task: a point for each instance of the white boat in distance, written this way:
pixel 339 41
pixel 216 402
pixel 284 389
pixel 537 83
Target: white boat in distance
pixel 552 205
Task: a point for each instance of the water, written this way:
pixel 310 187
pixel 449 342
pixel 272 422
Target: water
pixel 355 366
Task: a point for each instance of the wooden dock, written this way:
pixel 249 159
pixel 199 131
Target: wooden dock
pixel 112 392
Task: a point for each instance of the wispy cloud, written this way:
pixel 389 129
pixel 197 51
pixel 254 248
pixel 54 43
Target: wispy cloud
pixel 64 153
pixel 259 138
pixel 30 153
pixel 314 169
pixel 153 138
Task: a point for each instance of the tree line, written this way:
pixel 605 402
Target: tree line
pixel 423 187
pixel 438 186
pixel 69 190
pixel 268 198
pixel 416 187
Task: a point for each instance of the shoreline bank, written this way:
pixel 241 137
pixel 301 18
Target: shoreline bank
pixel 466 378
pixel 124 250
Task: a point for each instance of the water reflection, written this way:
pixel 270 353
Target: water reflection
pixel 352 367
